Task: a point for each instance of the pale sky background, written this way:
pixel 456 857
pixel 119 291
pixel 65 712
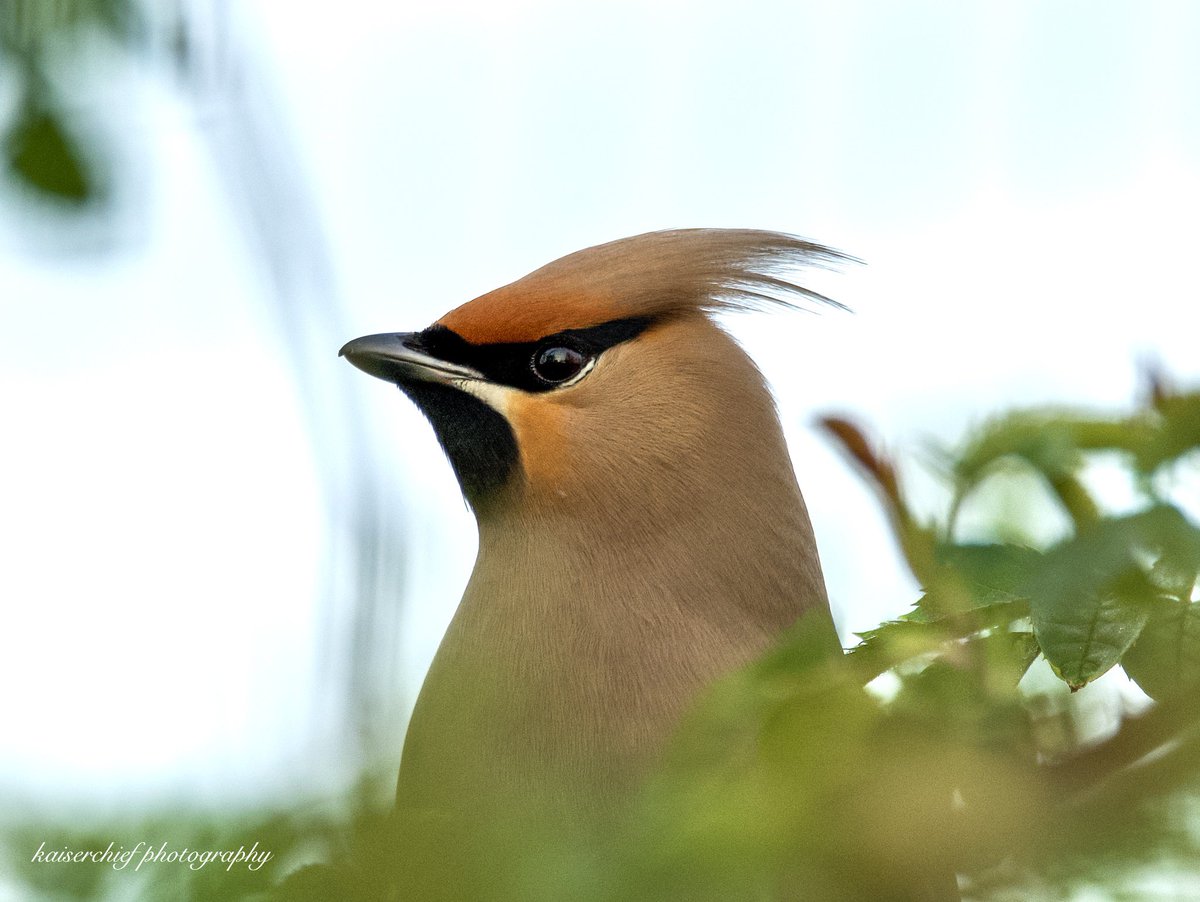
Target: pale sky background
pixel 1022 178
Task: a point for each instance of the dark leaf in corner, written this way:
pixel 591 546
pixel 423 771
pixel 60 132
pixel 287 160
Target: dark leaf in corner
pixel 44 156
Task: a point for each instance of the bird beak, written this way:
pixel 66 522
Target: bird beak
pixel 398 357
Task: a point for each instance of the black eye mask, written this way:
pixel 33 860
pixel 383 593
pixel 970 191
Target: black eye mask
pixel 515 363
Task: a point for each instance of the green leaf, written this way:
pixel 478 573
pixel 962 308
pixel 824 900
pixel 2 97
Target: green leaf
pixel 974 576
pixel 893 643
pixel 1083 635
pixel 42 154
pixel 992 572
pixel 1092 595
pixel 1165 660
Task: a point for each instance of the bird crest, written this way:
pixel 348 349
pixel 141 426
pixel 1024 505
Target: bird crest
pixel 651 275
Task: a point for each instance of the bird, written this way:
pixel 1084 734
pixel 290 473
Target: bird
pixel 641 530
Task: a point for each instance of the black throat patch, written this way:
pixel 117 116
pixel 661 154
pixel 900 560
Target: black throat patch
pixel 477 439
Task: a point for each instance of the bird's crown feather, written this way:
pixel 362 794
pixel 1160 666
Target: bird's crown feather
pixel 649 275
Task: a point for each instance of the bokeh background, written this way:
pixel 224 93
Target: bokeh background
pixel 227 557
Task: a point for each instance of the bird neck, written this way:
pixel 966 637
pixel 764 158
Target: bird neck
pixel 730 544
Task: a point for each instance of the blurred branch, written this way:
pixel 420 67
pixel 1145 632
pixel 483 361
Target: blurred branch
pixel 1168 724
pixel 266 182
pixel 52 47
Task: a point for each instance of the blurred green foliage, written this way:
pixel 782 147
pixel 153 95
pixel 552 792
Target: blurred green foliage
pixel 44 47
pixel 934 753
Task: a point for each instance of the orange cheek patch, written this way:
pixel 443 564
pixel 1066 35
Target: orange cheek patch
pixel 540 427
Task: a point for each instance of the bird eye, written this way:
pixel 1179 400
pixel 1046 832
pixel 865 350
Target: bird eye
pixel 555 363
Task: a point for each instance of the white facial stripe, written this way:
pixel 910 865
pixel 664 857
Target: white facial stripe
pixel 493 395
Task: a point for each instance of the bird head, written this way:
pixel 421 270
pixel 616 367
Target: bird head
pixel 600 372
pixel 641 529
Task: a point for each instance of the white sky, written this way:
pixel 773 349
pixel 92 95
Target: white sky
pixel 1022 178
